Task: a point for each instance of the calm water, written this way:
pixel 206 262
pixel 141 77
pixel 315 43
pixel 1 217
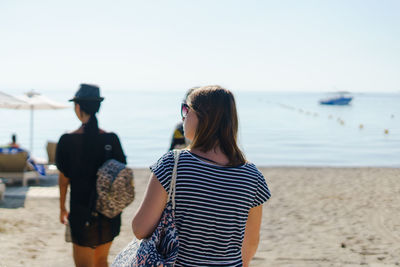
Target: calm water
pixel 276 129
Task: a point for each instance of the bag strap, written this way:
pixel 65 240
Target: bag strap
pixel 93 196
pixel 172 189
pixel 108 149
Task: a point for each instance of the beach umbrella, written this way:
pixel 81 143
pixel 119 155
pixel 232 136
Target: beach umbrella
pixel 32 101
pixel 8 101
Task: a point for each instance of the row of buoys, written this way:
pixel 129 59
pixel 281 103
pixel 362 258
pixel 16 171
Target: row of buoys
pixel 385 131
pixel 339 120
pixel 315 114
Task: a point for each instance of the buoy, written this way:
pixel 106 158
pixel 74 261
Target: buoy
pixel 386 131
pixel 341 122
pixel 361 126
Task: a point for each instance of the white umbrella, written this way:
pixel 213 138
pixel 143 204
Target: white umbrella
pixel 8 101
pixel 33 101
pixel 38 101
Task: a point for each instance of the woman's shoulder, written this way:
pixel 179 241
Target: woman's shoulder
pixel 166 159
pixel 66 137
pixel 162 167
pixel 170 154
pixel 72 134
pixel 251 168
pixel 77 134
pixel 107 133
pixel 109 136
pixel 66 141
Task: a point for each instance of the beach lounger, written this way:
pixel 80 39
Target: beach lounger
pixel 14 168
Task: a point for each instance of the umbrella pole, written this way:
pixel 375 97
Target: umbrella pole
pixel 31 144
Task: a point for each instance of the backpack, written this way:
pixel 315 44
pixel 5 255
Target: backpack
pixel 115 188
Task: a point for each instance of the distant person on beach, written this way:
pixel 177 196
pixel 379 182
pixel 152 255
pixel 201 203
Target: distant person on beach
pixel 12 147
pixel 31 164
pixel 178 137
pixel 78 157
pixel 14 143
pixel 219 195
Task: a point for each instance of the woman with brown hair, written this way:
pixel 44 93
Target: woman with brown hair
pixel 78 157
pixel 219 195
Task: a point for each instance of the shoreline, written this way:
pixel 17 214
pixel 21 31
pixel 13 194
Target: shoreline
pixel 317 216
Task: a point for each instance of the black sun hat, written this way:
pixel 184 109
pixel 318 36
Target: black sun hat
pixel 88 92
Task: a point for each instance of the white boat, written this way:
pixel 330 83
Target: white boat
pixel 341 98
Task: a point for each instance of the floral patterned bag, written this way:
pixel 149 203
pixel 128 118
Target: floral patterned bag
pixel 161 249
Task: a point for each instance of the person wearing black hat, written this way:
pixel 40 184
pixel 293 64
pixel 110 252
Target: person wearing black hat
pixel 78 157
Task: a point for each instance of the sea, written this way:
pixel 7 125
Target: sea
pixel 275 128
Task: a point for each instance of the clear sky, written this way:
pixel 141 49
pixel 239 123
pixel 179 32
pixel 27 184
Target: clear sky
pixel 266 45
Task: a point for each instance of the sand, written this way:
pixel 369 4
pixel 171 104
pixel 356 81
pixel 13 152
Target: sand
pixel 316 217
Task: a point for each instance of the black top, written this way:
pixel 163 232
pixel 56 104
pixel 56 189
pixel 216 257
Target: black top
pixel 81 169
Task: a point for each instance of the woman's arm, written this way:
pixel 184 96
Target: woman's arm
pixel 148 215
pixel 251 235
pixel 63 183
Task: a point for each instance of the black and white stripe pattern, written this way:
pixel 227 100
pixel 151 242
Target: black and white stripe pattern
pixel 212 205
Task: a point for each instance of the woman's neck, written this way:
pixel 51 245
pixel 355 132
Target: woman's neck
pixel 214 155
pixel 81 131
pixel 84 119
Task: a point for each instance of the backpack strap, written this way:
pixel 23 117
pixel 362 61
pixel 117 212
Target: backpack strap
pixel 108 149
pixel 93 196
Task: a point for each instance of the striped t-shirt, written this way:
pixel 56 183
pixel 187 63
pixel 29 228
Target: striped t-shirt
pixel 212 205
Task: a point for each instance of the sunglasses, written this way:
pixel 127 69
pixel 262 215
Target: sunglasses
pixel 184 110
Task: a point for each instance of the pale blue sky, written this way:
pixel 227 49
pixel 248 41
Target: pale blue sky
pixel 173 45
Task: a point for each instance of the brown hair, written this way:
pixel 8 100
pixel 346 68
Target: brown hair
pixel 218 122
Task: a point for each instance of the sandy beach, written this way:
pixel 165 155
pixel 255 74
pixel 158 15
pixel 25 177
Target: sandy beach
pixel 316 217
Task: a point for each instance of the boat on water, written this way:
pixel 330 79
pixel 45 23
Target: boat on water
pixel 340 98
